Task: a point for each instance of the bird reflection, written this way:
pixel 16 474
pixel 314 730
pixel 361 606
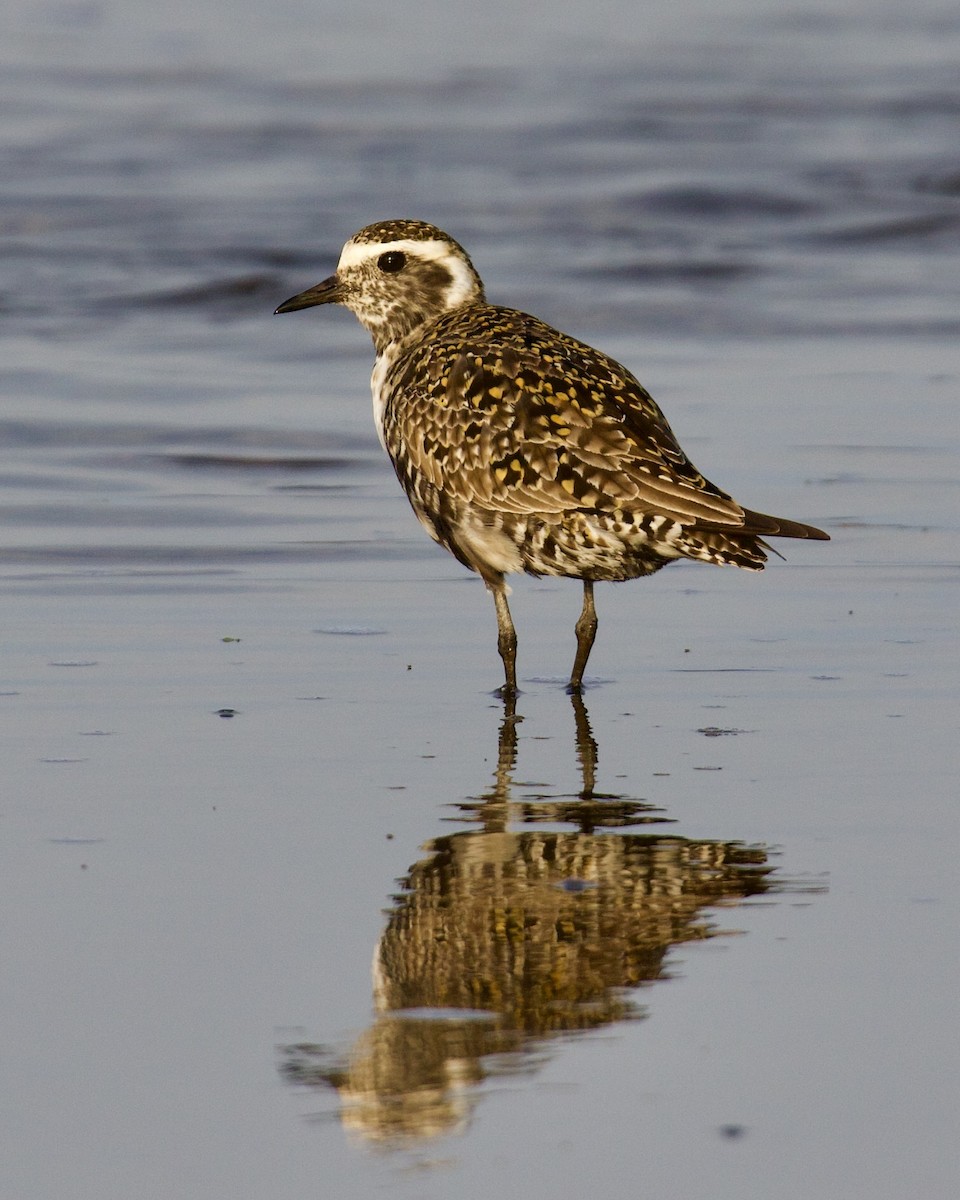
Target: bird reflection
pixel 503 938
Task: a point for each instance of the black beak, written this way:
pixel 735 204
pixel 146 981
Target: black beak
pixel 328 292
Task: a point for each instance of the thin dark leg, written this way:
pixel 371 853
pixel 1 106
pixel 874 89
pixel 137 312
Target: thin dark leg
pixel 506 637
pixel 586 629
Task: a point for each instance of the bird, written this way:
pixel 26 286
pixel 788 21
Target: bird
pixel 520 448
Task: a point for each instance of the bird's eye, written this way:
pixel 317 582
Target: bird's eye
pixel 392 261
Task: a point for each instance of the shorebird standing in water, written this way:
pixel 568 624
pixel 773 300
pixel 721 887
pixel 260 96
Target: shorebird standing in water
pixel 520 448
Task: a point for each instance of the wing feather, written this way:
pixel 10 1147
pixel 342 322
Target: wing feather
pixel 521 418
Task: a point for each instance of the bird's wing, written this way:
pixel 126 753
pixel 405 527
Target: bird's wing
pixel 521 418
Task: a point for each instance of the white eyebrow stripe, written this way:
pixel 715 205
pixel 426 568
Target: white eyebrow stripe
pixel 355 253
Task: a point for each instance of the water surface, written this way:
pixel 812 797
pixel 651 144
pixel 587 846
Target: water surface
pixel 695 933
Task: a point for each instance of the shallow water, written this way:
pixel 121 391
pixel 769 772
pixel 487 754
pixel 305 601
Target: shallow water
pixel 249 740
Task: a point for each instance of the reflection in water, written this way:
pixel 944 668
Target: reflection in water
pixel 501 940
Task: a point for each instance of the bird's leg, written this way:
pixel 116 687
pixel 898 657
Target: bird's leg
pixel 506 637
pixel 586 629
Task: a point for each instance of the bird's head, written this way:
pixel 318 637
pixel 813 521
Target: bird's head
pixel 397 276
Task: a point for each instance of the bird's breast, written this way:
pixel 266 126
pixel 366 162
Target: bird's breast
pixel 380 389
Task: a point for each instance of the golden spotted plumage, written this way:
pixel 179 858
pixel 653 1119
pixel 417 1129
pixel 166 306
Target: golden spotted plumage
pixel 520 448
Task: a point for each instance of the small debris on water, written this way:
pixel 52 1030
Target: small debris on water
pixel 576 885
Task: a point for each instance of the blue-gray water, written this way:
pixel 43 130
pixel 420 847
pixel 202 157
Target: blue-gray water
pixel 248 741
